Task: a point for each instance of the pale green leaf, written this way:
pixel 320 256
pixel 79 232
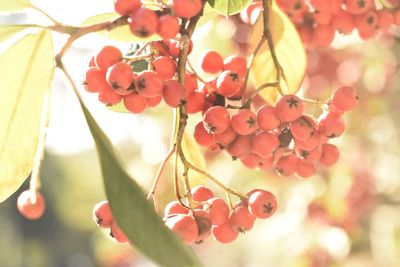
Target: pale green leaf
pixel 229 7
pixel 7 31
pixel 133 212
pixel 25 77
pixel 14 5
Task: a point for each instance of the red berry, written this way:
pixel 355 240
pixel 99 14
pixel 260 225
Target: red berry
pixel 289 108
pixel 186 8
pixel 108 96
pixel 212 62
pixel 190 83
pixel 264 144
pixel 143 22
pixel 203 223
pixel 195 102
pixel 216 120
pixel 244 122
pixel 201 193
pixel 322 17
pixel 95 80
pixel 168 26
pixel 185 226
pixel 174 207
pixel 287 165
pixel 357 7
pixel 31 205
pixel 241 147
pixel 154 101
pixel 226 138
pixel 330 155
pixel 108 56
pixel 396 17
pixel 174 94
pixel 311 143
pixel 303 128
pixel 236 64
pixel 149 84
pixel 266 164
pixel 262 204
pixel 224 233
pixel 321 5
pixel 119 76
pixel 229 83
pixel 344 99
pixel 117 233
pixel 135 103
pixel 331 125
pixel 218 211
pixel 102 214
pixel 305 169
pixel 343 22
pixel 267 119
pixel 125 7
pixel 310 156
pixel 165 67
pixel 385 19
pixel 201 136
pixel 323 35
pixel 367 22
pixel 252 161
pixel 241 219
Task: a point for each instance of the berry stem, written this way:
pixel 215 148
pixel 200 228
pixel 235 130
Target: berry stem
pixel 136 58
pixel 257 91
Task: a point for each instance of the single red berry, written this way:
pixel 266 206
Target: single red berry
pixel 241 219
pixel 226 138
pixel 185 226
pixel 154 101
pixel 289 108
pixel 149 84
pixel 108 96
pixel 303 128
pixel 190 83
pixel 264 144
pixel 212 62
pixel 367 22
pixel 31 205
pixel 201 136
pixel 322 17
pixel 357 7
pixel 252 161
pixel 174 207
pixel 216 120
pixel 204 224
pixel 119 76
pixel 168 26
pixel 321 5
pixel 165 67
pixel 195 102
pixel 143 22
pixel 311 143
pixel 287 165
pixel 305 169
pixel 267 119
pixel 344 99
pixel 266 164
pixel 174 93
pixel 323 35
pixel 262 204
pixel 331 125
pixel 240 148
pixel 224 233
pixel 125 7
pixel 330 155
pixel 95 80
pixel 108 56
pixel 201 193
pixel 102 214
pixel 310 156
pixel 385 19
pixel 218 211
pixel 343 22
pixel 229 83
pixel 135 103
pixel 186 8
pixel 117 233
pixel 244 122
pixel 236 64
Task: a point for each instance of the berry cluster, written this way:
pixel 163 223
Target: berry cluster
pixel 279 137
pixel 318 20
pixel 31 205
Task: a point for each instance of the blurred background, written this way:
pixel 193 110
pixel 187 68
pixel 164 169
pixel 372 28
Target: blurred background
pixel 345 216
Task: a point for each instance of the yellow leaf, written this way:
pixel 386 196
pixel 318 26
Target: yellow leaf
pixel 8 31
pixel 25 77
pixel 290 53
pixel 194 155
pixel 14 5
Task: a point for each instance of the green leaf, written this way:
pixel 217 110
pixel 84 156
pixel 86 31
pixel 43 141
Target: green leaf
pixel 25 77
pixel 289 50
pixel 133 212
pixel 7 31
pixel 229 7
pixel 121 33
pixel 14 5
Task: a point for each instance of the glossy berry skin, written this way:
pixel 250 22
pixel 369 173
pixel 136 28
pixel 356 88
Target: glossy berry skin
pixel 241 219
pixel 135 103
pixel 95 80
pixel 267 119
pixel 330 155
pixel 107 56
pixel 236 64
pixel 201 136
pixel 117 233
pixel 186 8
pixel 224 233
pixel 168 26
pixel 108 96
pixel 303 128
pixel 305 169
pixel 229 83
pixel 244 122
pixel 165 67
pixel 125 7
pixel 289 108
pixel 344 99
pixel 262 204
pixel 119 76
pixel 149 84
pixel 226 138
pixel 201 193
pixel 28 207
pixel 185 226
pixel 240 148
pixel 174 207
pixel 102 214
pixel 264 144
pixel 216 120
pixel 218 210
pixel 212 62
pixel 287 165
pixel 143 22
pixel 174 94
